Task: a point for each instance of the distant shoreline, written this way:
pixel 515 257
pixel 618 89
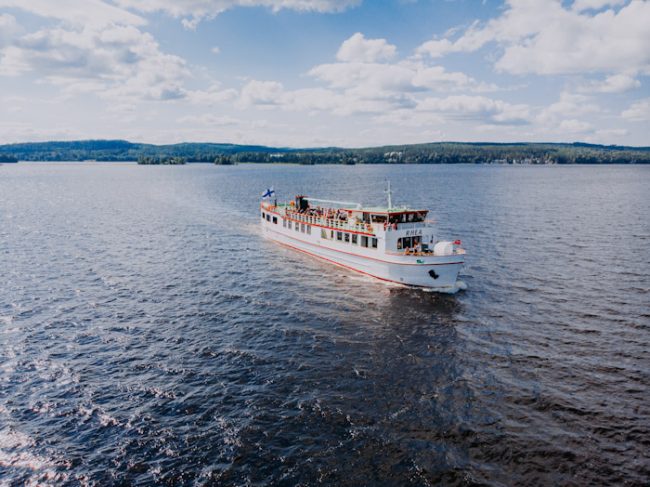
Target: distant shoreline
pixel 516 153
pixel 135 163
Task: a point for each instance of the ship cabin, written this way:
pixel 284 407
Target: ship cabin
pixel 405 230
pixel 401 231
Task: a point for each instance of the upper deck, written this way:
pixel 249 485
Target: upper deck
pixel 368 220
pixel 401 231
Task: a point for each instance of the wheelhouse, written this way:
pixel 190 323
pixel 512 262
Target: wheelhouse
pixel 390 217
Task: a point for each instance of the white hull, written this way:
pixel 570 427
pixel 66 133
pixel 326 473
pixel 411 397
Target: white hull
pixel 427 271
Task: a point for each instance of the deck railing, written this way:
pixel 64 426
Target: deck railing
pixel 331 222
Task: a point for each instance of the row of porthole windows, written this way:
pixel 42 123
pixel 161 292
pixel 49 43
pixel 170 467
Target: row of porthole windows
pixel 298 227
pixel 352 238
pixel 268 218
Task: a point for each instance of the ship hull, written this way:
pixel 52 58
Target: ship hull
pixel 438 273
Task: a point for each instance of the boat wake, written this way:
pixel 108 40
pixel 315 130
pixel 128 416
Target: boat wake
pixel 459 286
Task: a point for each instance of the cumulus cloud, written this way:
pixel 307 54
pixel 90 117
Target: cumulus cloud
pixel 102 51
pixel 569 106
pixel 616 83
pixel 87 12
pixel 366 80
pixel 193 11
pixel 580 5
pixel 638 112
pixel 574 126
pixel 546 38
pixel 262 93
pixel 477 108
pixel 8 29
pixel 359 49
pixel 609 134
pixel 272 94
pixel 213 95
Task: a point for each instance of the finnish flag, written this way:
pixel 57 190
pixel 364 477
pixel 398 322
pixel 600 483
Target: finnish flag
pixel 268 193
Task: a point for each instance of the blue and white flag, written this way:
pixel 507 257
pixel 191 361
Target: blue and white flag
pixel 268 193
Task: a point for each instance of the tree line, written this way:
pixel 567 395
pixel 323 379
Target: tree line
pixel 433 153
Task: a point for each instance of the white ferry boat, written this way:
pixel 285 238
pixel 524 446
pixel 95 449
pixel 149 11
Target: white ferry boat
pixel 392 244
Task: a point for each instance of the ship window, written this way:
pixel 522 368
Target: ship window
pixel 268 217
pixel 364 241
pixel 374 243
pixel 284 222
pixel 302 227
pixel 347 237
pixel 378 218
pixel 297 225
pixel 408 242
pixel 289 224
pixel 332 234
pixel 263 215
pixel 339 235
pixel 355 238
pixel 275 220
pixel 323 233
pixel 309 229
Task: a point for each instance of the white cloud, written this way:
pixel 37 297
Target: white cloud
pixel 81 13
pixel 193 11
pixel 360 78
pixel 606 135
pixel 215 50
pixel 545 38
pixel 580 5
pixel 210 119
pixel 96 47
pixel 575 126
pixel 359 49
pixel 272 94
pixel 411 118
pixel 213 95
pixel 638 111
pixel 477 108
pixel 370 78
pixel 9 28
pixel 616 83
pixel 359 84
pixel 569 105
pixel 262 93
pixel 473 39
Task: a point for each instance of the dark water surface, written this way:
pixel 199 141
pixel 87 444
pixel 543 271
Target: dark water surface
pixel 149 335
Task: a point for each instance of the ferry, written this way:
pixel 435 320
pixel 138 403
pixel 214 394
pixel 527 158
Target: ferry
pixel 393 244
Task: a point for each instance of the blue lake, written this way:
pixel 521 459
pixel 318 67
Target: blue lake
pixel 149 335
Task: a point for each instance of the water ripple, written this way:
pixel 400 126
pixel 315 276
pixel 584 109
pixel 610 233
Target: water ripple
pixel 150 336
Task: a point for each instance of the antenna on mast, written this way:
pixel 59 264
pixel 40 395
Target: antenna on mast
pixel 390 195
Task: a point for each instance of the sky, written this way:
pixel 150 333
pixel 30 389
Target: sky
pixel 315 73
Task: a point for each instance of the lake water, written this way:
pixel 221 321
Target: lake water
pixel 148 334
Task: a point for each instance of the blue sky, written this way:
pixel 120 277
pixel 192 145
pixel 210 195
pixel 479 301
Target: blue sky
pixel 325 72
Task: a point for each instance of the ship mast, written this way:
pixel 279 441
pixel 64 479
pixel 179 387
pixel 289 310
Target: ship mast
pixel 389 193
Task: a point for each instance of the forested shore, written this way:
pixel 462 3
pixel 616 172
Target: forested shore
pixel 433 153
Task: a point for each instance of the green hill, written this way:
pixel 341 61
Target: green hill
pixel 432 153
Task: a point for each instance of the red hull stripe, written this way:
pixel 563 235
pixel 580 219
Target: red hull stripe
pixel 345 266
pixel 359 255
